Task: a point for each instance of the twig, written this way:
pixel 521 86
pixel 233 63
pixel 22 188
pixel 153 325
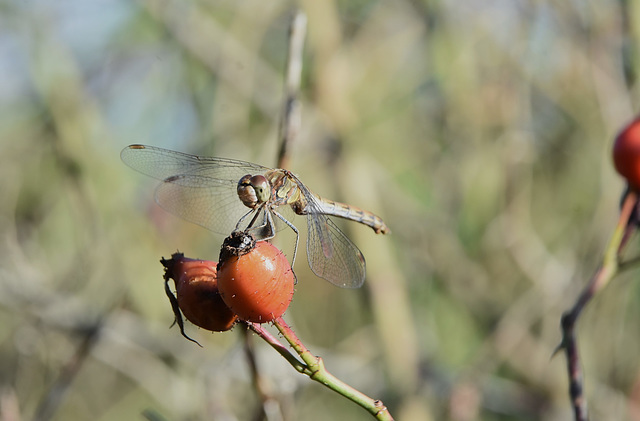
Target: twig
pixel 281 349
pixel 315 370
pixel 289 127
pixel 291 120
pixel 267 402
pixel 313 367
pixel 608 269
pixel 52 400
pixel 194 29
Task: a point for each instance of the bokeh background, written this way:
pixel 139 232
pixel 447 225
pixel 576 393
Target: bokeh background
pixel 480 131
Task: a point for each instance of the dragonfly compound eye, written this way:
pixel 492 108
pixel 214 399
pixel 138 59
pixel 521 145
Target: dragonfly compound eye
pixel 253 190
pixel 261 187
pixel 246 192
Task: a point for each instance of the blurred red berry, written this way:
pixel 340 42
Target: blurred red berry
pixel 257 286
pixel 626 154
pixel 197 294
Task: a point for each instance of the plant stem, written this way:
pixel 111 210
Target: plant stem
pixel 319 373
pixel 281 349
pixel 608 269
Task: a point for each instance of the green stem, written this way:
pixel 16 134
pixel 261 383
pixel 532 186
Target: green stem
pixel 321 375
pixel 610 262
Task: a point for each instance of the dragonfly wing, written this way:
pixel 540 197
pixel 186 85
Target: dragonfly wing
pixel 332 255
pixel 199 189
pixel 163 163
pixel 209 202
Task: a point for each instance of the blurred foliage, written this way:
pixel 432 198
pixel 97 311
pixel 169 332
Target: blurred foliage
pixel 480 131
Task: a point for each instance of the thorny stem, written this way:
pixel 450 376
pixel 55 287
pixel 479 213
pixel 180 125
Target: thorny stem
pixel 314 368
pixel 259 330
pixel 610 266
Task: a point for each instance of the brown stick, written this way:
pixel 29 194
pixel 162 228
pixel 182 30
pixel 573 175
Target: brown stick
pixel 291 119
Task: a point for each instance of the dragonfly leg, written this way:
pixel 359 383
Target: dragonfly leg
pixel 295 248
pixel 245 217
pixel 267 225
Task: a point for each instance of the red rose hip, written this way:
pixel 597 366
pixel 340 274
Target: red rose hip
pixel 626 154
pixel 257 286
pixel 197 294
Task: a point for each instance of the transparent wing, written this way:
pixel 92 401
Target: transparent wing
pixel 332 256
pixel 199 189
pixel 163 163
pixel 341 263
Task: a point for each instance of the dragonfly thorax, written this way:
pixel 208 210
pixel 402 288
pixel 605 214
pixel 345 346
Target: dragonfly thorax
pixel 284 190
pixel 254 190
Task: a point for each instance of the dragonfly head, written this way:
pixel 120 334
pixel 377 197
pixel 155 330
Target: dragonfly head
pixel 253 190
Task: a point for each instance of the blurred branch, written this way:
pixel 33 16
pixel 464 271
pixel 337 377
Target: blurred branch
pixel 290 121
pixel 200 34
pixel 628 53
pixel 51 401
pixel 9 405
pixel 152 415
pixel 608 269
pixel 269 406
pixel 289 129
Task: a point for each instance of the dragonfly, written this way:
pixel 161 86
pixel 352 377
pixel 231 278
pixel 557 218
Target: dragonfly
pixel 224 195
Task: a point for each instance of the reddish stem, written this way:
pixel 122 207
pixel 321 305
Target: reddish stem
pixel 608 269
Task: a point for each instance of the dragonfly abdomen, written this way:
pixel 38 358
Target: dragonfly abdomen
pixel 353 213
